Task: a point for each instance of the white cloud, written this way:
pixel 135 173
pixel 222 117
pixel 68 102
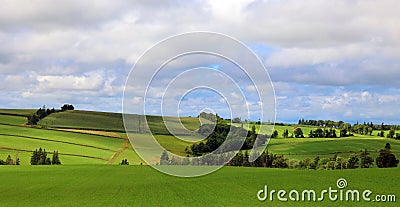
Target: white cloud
pixel 69 49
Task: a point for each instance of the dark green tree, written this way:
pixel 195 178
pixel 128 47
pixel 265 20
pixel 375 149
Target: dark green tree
pixel 352 162
pixel 298 133
pixel 387 146
pixel 124 162
pixel 386 159
pixel 56 159
pixel 366 161
pixel 285 133
pixel 275 134
pixel 391 133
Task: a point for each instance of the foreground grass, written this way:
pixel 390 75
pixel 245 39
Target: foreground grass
pixel 105 185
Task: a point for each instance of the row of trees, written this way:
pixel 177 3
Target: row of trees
pixel 41 113
pixel 67 107
pixel 318 133
pixel 330 133
pixel 361 159
pixel 39 157
pixel 10 161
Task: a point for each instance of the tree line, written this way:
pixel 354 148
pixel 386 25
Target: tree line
pixel 362 159
pixel 41 113
pixel 39 157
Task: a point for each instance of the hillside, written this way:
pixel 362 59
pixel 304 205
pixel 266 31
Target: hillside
pixel 82 137
pixel 87 137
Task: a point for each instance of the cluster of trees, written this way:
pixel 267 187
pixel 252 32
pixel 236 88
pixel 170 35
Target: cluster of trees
pixel 209 159
pixel 41 113
pixel 264 160
pixel 10 161
pixel 320 133
pixel 67 107
pixel 356 160
pixel 39 157
pixel 364 129
pixel 124 162
pixel 392 134
pixel 386 158
pixel 322 123
pixel 346 129
pixel 221 132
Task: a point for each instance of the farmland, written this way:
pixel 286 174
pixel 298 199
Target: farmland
pixel 84 137
pixel 91 144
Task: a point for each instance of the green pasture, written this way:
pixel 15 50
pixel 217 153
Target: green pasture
pixel 104 185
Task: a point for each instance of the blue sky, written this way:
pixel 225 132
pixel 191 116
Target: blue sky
pixel 327 59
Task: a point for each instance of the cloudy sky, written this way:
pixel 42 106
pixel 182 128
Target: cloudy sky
pixel 335 60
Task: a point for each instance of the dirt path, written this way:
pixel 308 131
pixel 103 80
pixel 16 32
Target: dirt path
pixel 125 146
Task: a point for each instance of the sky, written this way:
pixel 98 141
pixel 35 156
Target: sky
pixel 337 60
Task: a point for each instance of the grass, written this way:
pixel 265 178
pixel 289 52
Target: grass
pixel 12 119
pixel 17 112
pixel 102 185
pixel 85 120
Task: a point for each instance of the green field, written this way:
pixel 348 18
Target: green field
pixel 92 143
pixel 102 185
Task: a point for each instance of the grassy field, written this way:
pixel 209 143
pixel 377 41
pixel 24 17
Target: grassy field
pixel 105 121
pixel 83 137
pixel 75 146
pixel 102 185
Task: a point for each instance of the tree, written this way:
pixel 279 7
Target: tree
pixel 285 133
pixel 387 146
pixel 298 133
pixel 311 134
pixel 67 107
pixel 56 159
pixel 366 161
pixel 9 160
pixel 386 159
pixel 164 160
pixel 34 157
pixel 352 162
pixel 246 162
pixel 391 133
pixel 275 134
